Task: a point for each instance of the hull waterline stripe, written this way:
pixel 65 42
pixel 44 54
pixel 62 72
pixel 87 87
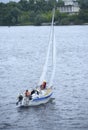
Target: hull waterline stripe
pixel 39 99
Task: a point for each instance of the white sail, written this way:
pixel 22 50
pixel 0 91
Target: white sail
pixel 53 53
pixel 45 67
pixel 51 44
pixel 54 63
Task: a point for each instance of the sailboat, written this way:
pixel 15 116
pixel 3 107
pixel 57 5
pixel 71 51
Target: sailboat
pixel 42 96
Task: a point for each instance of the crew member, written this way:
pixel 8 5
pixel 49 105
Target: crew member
pixel 27 93
pixel 43 85
pixel 20 98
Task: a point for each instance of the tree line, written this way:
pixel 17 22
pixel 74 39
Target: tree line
pixel 37 12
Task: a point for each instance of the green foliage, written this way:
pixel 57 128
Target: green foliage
pixel 24 18
pixel 36 12
pixel 83 4
pixel 24 5
pixel 83 16
pixel 60 3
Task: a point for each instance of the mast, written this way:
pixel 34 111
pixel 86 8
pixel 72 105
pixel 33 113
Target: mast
pixel 51 43
pixel 53 52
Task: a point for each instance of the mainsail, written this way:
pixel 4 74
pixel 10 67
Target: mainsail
pixel 51 44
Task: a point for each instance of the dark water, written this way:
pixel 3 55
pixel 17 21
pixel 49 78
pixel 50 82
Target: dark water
pixel 22 55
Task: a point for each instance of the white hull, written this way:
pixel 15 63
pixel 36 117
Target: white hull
pixel 37 99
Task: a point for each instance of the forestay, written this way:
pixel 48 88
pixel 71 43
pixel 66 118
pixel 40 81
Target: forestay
pixel 52 44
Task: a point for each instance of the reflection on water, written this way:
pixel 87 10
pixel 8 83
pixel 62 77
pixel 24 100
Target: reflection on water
pixel 22 55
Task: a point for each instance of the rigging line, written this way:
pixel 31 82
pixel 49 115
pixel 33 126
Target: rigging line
pixel 54 63
pixel 45 65
pixel 53 15
pixel 53 52
pixel 48 52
